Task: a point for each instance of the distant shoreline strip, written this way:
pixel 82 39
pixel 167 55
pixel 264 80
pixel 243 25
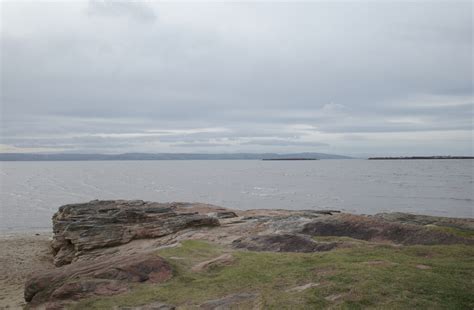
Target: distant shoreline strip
pixel 289 159
pixel 421 157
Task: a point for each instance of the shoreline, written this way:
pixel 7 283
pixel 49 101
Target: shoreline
pixel 22 254
pixel 26 231
pixel 421 158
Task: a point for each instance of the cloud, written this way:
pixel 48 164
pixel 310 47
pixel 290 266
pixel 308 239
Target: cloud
pixel 135 10
pixel 279 142
pixel 12 149
pixel 195 145
pixel 111 76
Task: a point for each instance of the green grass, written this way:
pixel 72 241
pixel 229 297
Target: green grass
pixel 452 230
pixel 364 276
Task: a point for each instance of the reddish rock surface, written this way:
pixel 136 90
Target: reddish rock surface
pixel 378 229
pixel 102 247
pixel 100 277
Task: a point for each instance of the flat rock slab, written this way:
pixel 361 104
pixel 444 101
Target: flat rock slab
pixel 234 301
pixel 417 219
pixel 303 287
pixel 223 260
pixel 152 306
pixel 281 243
pixel 378 229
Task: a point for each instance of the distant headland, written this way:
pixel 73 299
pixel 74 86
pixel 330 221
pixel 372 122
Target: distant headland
pixel 422 157
pixel 290 159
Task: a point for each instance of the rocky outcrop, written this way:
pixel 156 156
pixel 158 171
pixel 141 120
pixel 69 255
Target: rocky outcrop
pixel 378 229
pixel 101 277
pixel 282 243
pixel 417 219
pixel 101 248
pixel 79 228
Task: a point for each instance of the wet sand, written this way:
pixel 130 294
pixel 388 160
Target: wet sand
pixel 21 254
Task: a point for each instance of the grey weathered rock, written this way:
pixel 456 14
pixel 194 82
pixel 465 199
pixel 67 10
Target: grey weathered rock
pixel 281 243
pixel 417 219
pixel 303 287
pixel 235 301
pixel 152 306
pixel 79 228
pixel 378 229
pixel 223 214
pixel 222 260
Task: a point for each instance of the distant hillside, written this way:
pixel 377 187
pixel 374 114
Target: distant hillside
pixel 421 157
pixel 163 156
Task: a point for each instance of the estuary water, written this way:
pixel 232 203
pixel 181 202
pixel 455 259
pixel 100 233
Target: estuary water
pixel 30 192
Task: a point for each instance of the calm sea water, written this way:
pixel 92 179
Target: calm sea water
pixel 30 192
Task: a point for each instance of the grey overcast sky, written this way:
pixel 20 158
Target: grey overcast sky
pixel 357 78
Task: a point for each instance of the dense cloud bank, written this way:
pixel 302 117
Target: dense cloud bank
pixel 355 78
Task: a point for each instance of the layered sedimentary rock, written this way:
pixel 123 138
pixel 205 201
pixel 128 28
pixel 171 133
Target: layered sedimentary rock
pixel 101 248
pixel 83 227
pixel 100 277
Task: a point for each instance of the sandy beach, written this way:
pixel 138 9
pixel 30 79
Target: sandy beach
pixel 21 254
